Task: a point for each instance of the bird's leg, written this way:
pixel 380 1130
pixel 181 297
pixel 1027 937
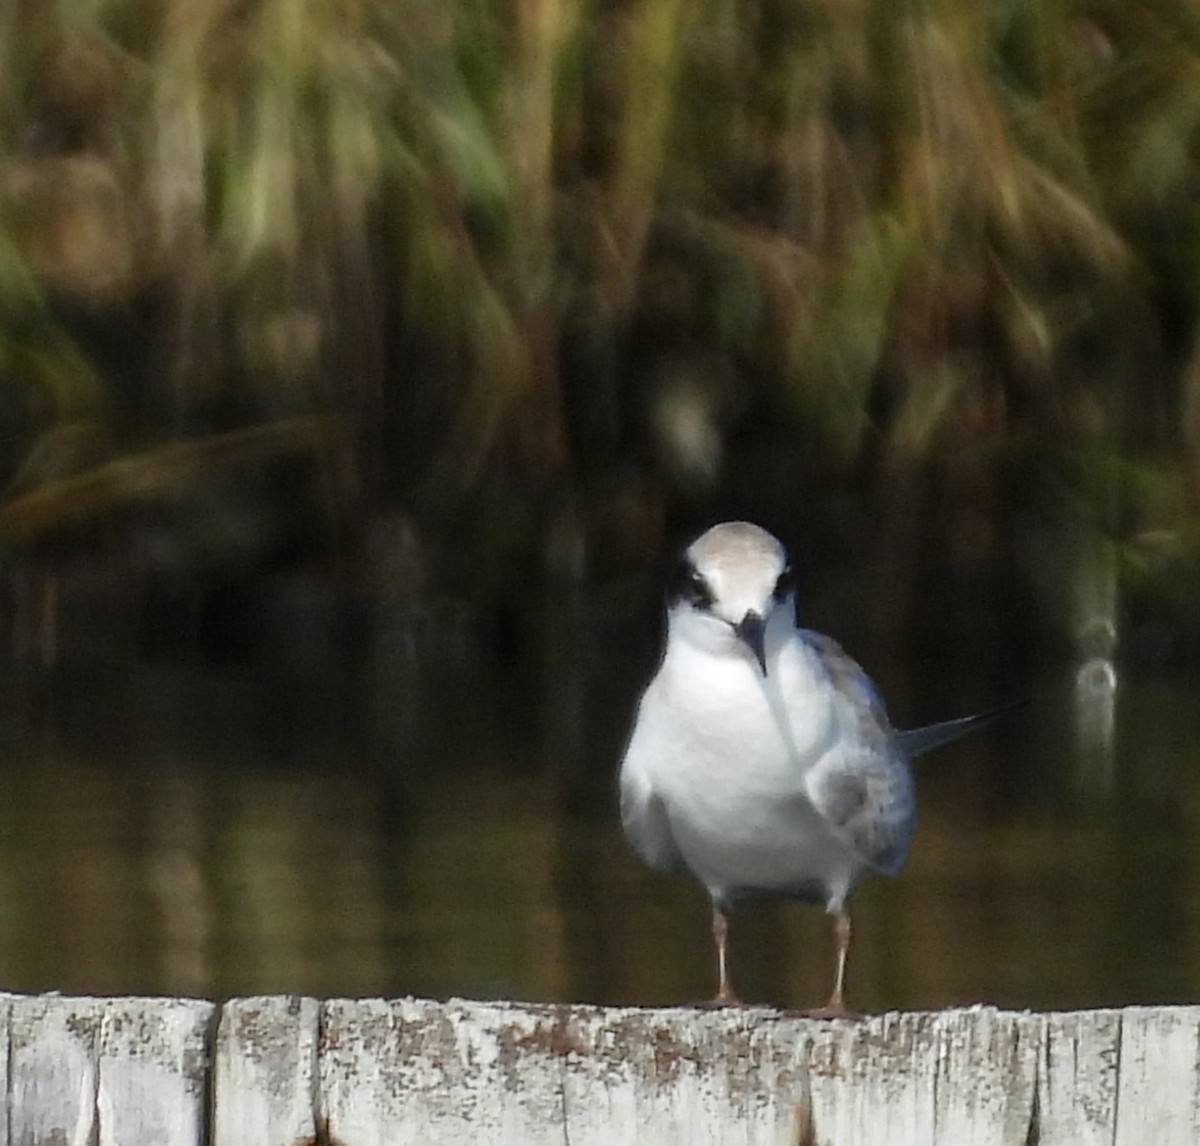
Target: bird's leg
pixel 842 934
pixel 720 929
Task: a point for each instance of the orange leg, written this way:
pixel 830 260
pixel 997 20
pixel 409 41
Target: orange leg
pixel 720 928
pixel 842 934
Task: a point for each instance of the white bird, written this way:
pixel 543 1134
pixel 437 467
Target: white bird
pixel 761 757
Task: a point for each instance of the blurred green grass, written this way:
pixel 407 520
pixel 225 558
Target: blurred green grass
pixel 604 268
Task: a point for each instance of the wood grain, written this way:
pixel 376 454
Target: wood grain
pixel 299 1072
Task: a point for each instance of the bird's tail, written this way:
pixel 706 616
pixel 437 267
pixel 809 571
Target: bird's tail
pixel 914 741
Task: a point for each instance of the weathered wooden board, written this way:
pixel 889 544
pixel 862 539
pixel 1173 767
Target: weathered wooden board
pixel 265 1072
pixel 673 1081
pixel 413 1071
pixel 1077 1077
pixel 152 1072
pixel 1158 1083
pixel 53 1048
pixel 96 1072
pixel 421 1072
pixel 5 1024
pixel 288 1071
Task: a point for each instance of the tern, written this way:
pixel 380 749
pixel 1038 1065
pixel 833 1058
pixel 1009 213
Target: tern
pixel 761 758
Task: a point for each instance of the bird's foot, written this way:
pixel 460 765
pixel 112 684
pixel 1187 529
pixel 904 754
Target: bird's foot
pixel 723 998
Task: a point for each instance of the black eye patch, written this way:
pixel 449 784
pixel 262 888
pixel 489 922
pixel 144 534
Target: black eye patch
pixel 784 585
pixel 688 585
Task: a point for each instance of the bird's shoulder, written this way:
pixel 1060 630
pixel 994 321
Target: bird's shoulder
pixel 862 786
pixel 848 681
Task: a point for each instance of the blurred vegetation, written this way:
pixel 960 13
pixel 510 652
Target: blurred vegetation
pixel 549 280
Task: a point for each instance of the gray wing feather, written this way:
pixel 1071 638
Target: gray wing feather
pixel 858 692
pixel 865 793
pixel 868 801
pixel 914 741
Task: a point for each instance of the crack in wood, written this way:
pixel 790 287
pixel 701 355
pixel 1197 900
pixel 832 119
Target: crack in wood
pixel 260 1072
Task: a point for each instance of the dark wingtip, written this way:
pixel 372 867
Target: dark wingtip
pixel 914 741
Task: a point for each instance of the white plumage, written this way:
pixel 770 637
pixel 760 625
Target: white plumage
pixel 761 757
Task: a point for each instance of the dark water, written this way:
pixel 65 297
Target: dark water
pixel 198 832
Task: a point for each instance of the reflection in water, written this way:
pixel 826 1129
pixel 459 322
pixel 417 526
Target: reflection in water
pixel 226 836
pixel 1096 720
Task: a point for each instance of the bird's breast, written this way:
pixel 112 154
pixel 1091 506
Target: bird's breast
pixel 730 767
pixel 730 719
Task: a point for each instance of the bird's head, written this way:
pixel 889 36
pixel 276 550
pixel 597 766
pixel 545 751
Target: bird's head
pixel 731 590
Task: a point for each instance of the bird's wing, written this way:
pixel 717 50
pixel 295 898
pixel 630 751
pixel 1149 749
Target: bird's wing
pixel 861 701
pixel 646 825
pixel 643 815
pixel 914 741
pixel 862 786
pixel 867 799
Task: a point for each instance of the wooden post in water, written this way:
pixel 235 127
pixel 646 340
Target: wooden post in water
pixel 298 1072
